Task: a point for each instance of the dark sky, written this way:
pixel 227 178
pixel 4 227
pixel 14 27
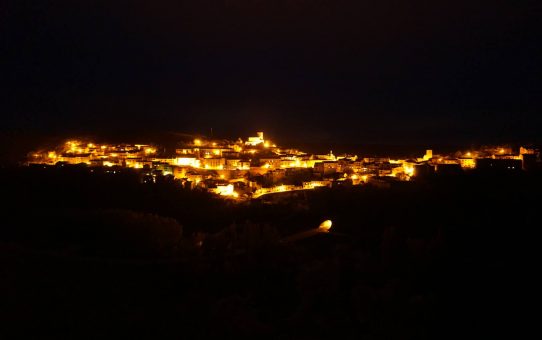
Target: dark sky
pixel 349 71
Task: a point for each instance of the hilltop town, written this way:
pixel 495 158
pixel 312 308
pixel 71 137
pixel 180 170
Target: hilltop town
pixel 255 167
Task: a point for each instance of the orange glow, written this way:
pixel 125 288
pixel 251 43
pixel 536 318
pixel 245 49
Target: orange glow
pixel 409 170
pixel 226 190
pixel 325 226
pixel 226 159
pixel 181 161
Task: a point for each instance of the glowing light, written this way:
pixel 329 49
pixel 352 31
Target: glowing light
pixel 325 226
pixel 226 190
pixel 266 144
pixel 51 154
pixel 72 144
pixel 467 163
pixel 354 177
pixel 409 170
pixel 187 162
pixel 501 150
pixel 468 154
pixel 197 142
pixel 90 145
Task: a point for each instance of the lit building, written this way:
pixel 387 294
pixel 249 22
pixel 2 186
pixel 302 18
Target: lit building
pixel 213 163
pixel 271 162
pixel 187 161
pixel 326 167
pixel 233 163
pixel 254 141
pixel 428 155
pixel 467 163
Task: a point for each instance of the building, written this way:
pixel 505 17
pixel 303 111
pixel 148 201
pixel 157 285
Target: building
pixel 428 155
pixel 254 141
pixel 467 162
pixel 271 162
pixel 491 164
pixel 213 163
pixel 326 167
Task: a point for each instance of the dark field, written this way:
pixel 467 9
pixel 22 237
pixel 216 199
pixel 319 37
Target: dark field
pixel 96 254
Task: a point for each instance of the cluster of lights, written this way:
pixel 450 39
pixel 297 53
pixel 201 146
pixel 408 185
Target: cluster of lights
pixel 213 155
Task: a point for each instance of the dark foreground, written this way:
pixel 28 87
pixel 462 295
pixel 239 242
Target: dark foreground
pixel 94 255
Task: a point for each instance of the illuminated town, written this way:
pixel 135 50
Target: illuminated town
pixel 255 167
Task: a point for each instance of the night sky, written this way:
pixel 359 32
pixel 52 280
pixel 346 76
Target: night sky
pixel 418 72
